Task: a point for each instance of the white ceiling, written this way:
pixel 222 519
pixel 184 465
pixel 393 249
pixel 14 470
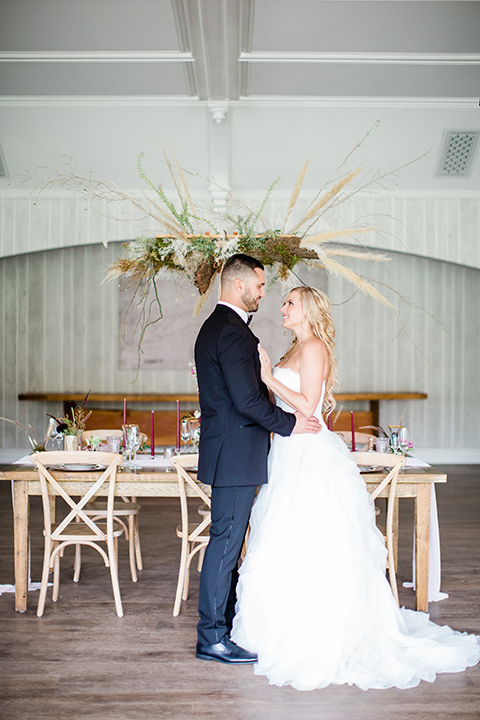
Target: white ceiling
pixel 102 80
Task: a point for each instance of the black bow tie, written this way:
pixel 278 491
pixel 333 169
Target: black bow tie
pixel 249 320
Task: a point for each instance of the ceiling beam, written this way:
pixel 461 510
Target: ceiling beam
pixel 215 32
pixel 97 56
pixel 219 110
pixel 368 58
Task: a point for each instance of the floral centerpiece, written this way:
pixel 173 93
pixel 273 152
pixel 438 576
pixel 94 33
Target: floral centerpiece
pixel 73 423
pixel 36 445
pixel 93 443
pixel 395 449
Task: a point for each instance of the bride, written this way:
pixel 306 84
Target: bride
pixel 313 599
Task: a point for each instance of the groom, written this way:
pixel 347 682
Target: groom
pixel 237 419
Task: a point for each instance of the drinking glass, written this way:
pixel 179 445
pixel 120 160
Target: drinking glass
pixel 113 443
pixel 57 440
pixel 381 444
pixel 185 433
pixel 195 434
pixel 403 440
pixel 136 442
pixel 168 453
pixel 394 442
pixel 132 443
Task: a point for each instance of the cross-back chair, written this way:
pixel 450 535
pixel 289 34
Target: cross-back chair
pixel 125 508
pixel 77 528
pixel 194 536
pixel 393 463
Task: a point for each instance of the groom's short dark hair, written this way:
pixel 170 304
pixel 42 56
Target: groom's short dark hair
pixel 238 266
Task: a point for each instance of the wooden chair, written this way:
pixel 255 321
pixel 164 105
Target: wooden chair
pixel 194 536
pixel 394 462
pixel 364 439
pixel 77 528
pixel 125 508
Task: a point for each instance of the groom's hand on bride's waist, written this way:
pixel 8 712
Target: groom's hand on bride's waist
pixel 306 425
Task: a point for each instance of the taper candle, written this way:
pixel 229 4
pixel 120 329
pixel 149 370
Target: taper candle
pixel 124 422
pixel 353 433
pixel 152 435
pixel 178 425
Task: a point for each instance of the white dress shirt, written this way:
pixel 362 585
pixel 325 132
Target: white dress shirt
pixel 243 314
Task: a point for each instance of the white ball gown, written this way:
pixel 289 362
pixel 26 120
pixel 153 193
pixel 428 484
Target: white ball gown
pixel 313 599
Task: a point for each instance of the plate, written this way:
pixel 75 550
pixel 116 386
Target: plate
pixel 370 468
pixel 82 468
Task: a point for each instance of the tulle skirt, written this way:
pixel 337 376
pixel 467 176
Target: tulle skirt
pixel 313 599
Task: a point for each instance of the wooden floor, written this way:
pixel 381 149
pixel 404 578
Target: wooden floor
pixel 81 661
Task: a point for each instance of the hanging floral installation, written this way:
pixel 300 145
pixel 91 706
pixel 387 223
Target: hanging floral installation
pixel 193 241
pixel 193 245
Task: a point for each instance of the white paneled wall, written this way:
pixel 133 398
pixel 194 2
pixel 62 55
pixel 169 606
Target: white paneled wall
pixel 442 227
pixel 29 223
pixel 59 332
pixel 436 351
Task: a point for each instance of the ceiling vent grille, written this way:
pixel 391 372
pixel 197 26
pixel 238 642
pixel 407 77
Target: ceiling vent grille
pixel 457 153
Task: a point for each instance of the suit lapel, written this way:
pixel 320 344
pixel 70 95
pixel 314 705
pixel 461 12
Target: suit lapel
pixel 235 316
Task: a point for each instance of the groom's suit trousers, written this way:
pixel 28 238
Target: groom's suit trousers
pixel 216 603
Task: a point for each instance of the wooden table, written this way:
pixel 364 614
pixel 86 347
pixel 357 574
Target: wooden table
pixel 414 483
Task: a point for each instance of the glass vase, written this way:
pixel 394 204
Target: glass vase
pixel 70 443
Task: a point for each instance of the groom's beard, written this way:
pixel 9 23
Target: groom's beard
pixel 250 302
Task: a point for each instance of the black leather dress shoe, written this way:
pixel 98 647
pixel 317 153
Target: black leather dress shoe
pixel 225 651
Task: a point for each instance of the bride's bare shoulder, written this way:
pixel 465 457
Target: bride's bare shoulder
pixel 314 348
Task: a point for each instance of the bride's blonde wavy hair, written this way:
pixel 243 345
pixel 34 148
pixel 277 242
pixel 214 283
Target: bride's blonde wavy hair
pixel 317 309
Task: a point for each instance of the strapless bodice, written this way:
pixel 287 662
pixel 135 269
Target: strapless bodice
pixel 291 379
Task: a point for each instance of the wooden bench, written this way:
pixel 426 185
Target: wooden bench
pixel 165 420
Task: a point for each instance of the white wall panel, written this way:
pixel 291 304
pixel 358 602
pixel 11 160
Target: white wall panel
pixel 59 329
pixel 441 227
pixel 437 353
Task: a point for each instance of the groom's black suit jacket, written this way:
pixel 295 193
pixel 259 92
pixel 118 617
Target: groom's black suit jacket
pixel 237 416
